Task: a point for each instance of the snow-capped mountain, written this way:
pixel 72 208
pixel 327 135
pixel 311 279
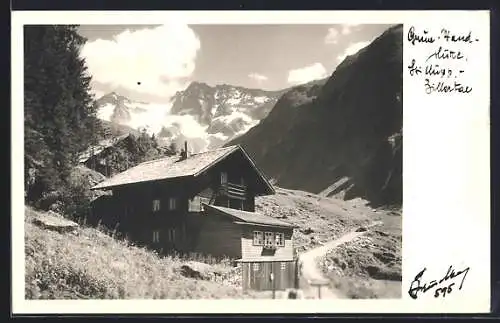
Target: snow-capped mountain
pixel 205 116
pixel 119 109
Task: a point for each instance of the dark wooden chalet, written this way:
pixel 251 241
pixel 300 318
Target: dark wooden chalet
pixel 203 203
pixel 98 157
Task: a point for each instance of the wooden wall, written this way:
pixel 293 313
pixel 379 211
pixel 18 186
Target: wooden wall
pixel 251 251
pixel 132 208
pixel 256 275
pixel 219 238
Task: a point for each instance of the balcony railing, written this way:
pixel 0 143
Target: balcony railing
pixel 236 191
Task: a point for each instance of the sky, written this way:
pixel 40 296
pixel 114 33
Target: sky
pixel 152 62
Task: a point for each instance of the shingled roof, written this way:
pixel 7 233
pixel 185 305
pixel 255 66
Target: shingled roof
pixel 101 146
pixel 248 217
pixel 173 167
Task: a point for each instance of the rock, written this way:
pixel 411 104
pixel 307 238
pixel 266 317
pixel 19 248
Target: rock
pixel 307 231
pixel 55 223
pixel 292 293
pixel 362 229
pixel 54 214
pixel 383 234
pixel 372 271
pixel 199 270
pixel 55 207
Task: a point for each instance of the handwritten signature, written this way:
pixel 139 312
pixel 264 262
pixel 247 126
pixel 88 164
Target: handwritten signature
pixel 441 287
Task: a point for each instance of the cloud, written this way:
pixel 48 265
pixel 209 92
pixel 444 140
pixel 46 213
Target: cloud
pixel 332 36
pixel 152 61
pixel 352 49
pixel 348 28
pixel 258 77
pixel 308 73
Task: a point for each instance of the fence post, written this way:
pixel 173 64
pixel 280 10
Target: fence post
pixel 297 273
pixel 271 277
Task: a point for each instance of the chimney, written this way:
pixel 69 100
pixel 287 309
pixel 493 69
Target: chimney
pixel 184 152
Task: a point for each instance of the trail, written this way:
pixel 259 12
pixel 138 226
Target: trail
pixel 311 274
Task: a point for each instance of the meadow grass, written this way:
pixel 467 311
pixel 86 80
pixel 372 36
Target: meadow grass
pixel 90 264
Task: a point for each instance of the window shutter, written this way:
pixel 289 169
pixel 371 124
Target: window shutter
pixel 223 178
pixel 172 203
pixel 156 205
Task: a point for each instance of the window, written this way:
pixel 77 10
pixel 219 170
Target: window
pixel 172 203
pixel 171 234
pixel 223 178
pixel 205 200
pixel 268 239
pixel 258 238
pixel 255 267
pixel 195 204
pixel 283 266
pixel 280 239
pixel 156 205
pixel 156 236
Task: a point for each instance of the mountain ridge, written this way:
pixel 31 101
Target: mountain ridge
pixel 349 127
pixel 206 116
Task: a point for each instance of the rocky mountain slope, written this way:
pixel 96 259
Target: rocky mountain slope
pixel 206 116
pixel 225 108
pixel 343 138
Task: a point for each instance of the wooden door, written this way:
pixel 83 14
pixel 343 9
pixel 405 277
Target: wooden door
pixel 284 273
pixel 266 282
pixel 256 275
pixel 258 278
pixel 280 270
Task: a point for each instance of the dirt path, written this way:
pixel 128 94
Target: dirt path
pixel 311 274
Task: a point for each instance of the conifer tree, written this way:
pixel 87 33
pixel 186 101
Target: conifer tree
pixel 60 112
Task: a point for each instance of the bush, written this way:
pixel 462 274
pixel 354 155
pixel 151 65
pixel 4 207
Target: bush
pixel 76 201
pixel 73 198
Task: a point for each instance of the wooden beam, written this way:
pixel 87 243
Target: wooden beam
pixel 263 225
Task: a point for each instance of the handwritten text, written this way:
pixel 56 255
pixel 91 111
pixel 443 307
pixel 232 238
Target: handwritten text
pixel 441 287
pixel 443 68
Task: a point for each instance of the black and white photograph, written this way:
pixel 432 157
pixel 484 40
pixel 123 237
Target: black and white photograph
pixel 213 161
pixel 250 162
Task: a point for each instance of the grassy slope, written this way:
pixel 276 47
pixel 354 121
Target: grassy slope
pixel 91 264
pixel 320 219
pixel 370 266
